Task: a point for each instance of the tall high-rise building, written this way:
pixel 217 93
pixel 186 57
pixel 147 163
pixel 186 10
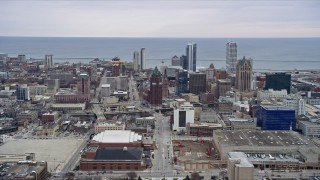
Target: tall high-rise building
pixel 165 86
pixel 84 87
pixel 22 58
pixel 155 92
pixel 136 61
pixel 181 81
pixel 278 81
pixel 191 52
pixel 210 73
pixel 48 60
pixel 184 62
pixel 175 61
pixel 22 92
pixel 231 57
pixel 117 67
pixel 197 83
pixel 143 58
pixel 244 74
pixel 223 86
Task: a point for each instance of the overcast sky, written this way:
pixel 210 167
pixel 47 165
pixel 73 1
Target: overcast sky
pixel 166 18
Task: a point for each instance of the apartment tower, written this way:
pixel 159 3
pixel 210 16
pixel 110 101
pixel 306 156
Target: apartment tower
pixel 143 58
pixel 231 57
pixel 191 56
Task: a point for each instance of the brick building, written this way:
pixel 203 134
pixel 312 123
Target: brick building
pixel 155 92
pixel 112 159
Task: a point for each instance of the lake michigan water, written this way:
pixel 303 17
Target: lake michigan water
pixel 267 53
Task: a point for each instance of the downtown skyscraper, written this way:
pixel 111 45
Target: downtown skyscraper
pixel 231 57
pixel 191 54
pixel 136 66
pixel 143 59
pixel 244 74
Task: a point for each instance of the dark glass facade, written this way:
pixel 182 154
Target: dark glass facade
pixel 182 118
pixel 278 81
pixel 275 118
pixel 182 82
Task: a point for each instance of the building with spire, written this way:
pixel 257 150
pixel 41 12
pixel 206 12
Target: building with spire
pixel 155 91
pixel 244 74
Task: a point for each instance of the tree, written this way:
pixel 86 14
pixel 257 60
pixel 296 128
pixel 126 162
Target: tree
pixel 195 176
pixel 131 175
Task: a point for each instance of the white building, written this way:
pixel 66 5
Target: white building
pixel 182 116
pixel 309 128
pixel 270 93
pixel 162 67
pixel 296 103
pixel 119 136
pixel 231 57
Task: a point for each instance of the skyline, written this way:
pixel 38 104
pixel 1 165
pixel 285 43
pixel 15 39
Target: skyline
pixel 161 18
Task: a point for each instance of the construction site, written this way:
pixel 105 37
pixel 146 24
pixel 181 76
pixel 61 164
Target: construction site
pixel 195 155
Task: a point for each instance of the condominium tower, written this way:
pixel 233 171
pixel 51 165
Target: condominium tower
pixel 136 61
pixel 48 60
pixel 191 56
pixel 231 57
pixel 143 58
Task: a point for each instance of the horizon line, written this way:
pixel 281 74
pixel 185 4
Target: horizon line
pixel 168 37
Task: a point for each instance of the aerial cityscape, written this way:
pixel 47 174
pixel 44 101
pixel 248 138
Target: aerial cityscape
pixel 159 106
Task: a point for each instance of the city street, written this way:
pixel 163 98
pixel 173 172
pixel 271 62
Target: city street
pixel 162 163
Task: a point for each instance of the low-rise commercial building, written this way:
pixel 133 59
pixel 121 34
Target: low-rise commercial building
pixel 239 167
pixel 146 121
pixel 105 126
pixel 26 170
pixel 202 129
pixel 308 128
pixel 49 117
pixel 68 107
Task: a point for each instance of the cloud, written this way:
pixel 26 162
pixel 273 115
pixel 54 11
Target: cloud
pixel 160 18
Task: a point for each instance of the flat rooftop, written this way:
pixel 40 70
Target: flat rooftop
pixel 243 160
pixel 66 92
pixel 55 151
pixel 260 138
pixel 266 107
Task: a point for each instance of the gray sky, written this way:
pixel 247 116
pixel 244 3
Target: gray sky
pixel 166 18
